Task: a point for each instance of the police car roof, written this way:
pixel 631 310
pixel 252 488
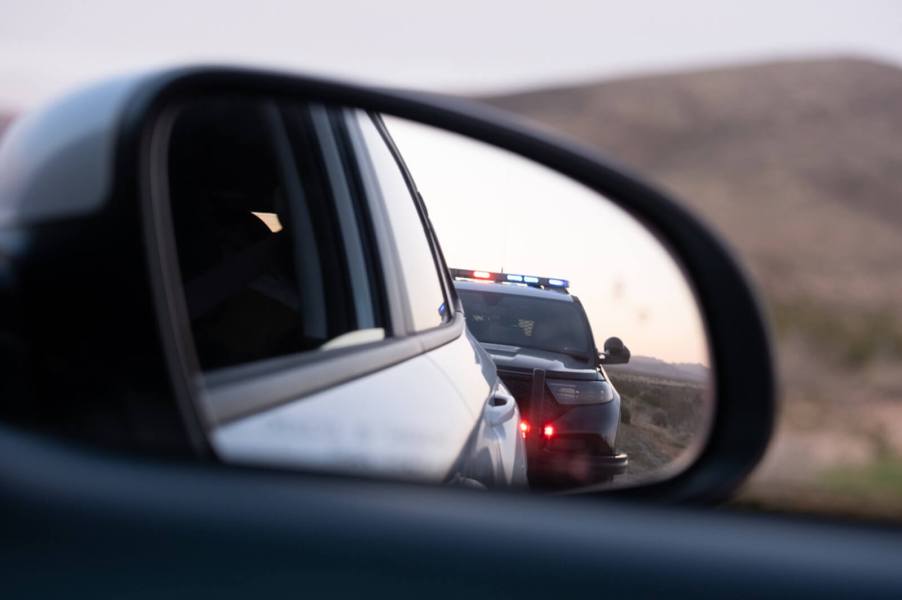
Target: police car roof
pixel 513 290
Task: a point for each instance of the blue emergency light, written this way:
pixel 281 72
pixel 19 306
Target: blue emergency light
pixel 512 278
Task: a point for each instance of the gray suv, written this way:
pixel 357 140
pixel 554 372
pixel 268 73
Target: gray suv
pixel 540 339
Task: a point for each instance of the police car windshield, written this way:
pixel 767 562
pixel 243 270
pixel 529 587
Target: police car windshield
pixel 538 323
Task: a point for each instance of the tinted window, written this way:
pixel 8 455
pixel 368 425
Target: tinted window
pixel 258 247
pixel 538 323
pixel 421 279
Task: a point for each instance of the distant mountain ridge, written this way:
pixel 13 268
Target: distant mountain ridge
pixel 646 365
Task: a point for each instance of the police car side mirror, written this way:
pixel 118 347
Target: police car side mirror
pixel 615 352
pixel 108 201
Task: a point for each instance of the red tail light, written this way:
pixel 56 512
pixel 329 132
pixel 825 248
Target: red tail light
pixel 548 431
pixel 524 428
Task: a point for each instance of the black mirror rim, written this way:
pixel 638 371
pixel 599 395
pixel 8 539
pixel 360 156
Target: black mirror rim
pixel 738 337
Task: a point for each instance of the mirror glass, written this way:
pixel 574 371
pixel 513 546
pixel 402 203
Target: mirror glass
pixel 370 296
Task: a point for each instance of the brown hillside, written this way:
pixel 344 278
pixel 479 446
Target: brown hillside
pixel 799 165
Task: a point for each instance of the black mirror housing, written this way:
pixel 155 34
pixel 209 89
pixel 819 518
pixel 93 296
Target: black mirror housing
pixel 81 222
pixel 615 352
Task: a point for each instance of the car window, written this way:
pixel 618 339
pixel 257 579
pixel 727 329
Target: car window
pixel 256 234
pixel 426 299
pixel 538 323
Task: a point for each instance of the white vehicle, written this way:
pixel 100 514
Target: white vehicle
pixel 313 305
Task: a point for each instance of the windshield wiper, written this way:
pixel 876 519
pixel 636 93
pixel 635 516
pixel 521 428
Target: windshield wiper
pixel 574 354
pixel 571 353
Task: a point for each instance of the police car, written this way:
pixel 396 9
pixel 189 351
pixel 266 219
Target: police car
pixel 540 339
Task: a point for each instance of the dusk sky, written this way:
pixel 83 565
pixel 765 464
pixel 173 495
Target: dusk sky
pixel 493 210
pixel 47 46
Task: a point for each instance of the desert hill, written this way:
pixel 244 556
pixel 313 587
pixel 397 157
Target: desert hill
pixel 646 365
pixel 799 165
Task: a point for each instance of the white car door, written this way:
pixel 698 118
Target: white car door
pixel 314 297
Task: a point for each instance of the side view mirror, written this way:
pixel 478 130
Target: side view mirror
pixel 615 352
pixel 252 277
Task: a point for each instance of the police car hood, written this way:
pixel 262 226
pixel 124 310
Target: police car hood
pixel 519 358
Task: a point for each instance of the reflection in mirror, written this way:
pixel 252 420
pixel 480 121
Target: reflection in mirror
pixel 383 299
pixel 638 409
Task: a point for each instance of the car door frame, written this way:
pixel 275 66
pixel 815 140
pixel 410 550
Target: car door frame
pixel 453 330
pixel 227 396
pixel 273 381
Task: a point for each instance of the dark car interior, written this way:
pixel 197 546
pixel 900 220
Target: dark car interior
pixel 240 282
pixel 231 188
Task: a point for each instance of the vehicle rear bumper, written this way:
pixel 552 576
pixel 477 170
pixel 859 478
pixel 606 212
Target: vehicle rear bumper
pixel 550 469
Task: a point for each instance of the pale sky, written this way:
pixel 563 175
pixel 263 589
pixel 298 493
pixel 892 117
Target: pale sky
pixel 466 46
pixel 47 46
pixel 492 209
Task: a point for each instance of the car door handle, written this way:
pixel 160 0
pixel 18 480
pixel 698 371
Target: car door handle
pixel 500 407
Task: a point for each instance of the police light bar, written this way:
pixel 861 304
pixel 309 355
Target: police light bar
pixel 493 277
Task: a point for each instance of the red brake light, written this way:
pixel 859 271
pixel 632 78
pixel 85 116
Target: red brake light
pixel 482 275
pixel 524 428
pixel 548 431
